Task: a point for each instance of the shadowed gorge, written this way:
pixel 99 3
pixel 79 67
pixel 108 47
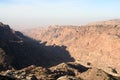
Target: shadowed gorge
pixel 25 51
pixel 35 53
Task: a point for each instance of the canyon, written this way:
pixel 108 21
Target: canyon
pixel 87 52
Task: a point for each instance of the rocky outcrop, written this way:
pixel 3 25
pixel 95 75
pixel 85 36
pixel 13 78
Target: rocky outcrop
pixel 63 71
pixel 6 56
pixel 28 73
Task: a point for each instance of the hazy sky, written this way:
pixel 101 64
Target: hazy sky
pixel 34 13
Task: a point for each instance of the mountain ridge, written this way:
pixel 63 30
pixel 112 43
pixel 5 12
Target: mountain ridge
pixel 95 44
pixel 107 22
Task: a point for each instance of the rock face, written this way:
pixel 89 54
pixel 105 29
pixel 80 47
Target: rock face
pixel 4 60
pixel 6 56
pixel 97 44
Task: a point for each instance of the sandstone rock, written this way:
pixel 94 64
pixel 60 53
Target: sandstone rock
pixel 68 78
pixel 95 74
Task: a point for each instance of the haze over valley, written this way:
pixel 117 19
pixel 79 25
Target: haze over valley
pixel 59 40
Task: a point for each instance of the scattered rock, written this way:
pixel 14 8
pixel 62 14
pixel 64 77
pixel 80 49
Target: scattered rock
pixel 68 78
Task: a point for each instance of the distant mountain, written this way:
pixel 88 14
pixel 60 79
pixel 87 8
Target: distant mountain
pixel 109 22
pixel 97 44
